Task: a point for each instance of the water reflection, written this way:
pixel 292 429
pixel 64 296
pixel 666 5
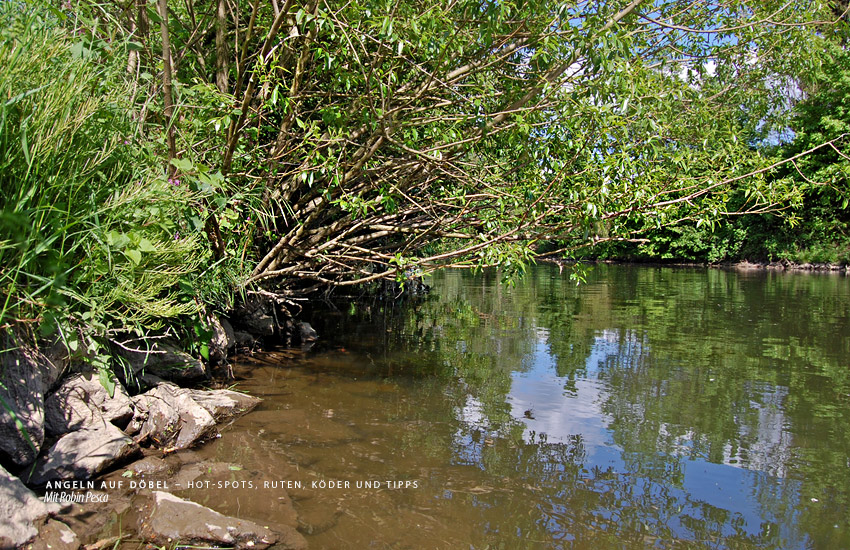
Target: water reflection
pixel 649 408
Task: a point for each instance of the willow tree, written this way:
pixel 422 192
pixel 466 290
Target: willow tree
pixel 376 139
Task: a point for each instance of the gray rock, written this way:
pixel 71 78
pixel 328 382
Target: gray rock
pixel 169 417
pixel 164 360
pixel 81 401
pixel 221 340
pixel 55 535
pixel 262 325
pixel 224 404
pixel 256 315
pixel 84 453
pixel 168 518
pixel 228 333
pixel 58 361
pixel 22 512
pixel 21 398
pixel 306 333
pixel 150 465
pixel 243 339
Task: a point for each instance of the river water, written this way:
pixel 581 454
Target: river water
pixel 647 408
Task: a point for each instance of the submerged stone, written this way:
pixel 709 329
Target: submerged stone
pixel 55 535
pixel 168 518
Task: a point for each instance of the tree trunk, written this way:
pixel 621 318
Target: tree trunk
pixel 168 100
pixel 221 61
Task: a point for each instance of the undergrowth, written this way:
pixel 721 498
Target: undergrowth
pixel 95 238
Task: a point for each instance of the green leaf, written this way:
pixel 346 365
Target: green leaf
pixel 184 165
pixel 134 255
pixel 107 380
pixel 146 246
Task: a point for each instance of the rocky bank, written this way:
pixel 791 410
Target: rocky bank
pixel 61 430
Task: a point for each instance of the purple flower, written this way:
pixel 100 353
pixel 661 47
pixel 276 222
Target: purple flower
pixel 174 181
pixel 176 235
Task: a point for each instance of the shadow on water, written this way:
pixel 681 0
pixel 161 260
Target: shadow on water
pixel 651 407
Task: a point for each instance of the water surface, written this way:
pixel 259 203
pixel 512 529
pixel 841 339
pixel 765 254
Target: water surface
pixel 647 408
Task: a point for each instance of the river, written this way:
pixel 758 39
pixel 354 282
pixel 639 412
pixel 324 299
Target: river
pixel 646 408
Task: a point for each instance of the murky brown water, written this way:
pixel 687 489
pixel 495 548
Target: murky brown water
pixel 648 408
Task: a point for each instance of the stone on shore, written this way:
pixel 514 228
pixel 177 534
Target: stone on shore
pixel 82 401
pixel 170 418
pixel 163 360
pixel 22 512
pixel 22 394
pixel 84 453
pixel 305 332
pixel 224 404
pixel 168 519
pixel 55 535
pixel 229 334
pixel 243 339
pixel 256 315
pixel 222 338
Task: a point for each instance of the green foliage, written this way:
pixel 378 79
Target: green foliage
pixel 812 227
pixel 335 144
pixel 94 237
pixel 355 134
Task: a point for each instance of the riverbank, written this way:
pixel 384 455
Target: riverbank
pixel 741 265
pixel 64 425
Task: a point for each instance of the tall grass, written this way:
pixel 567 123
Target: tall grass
pixel 92 233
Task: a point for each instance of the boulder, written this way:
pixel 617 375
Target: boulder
pixel 164 360
pixel 57 361
pixel 256 315
pixel 167 519
pixel 243 339
pixel 224 404
pixel 55 535
pixel 219 342
pixel 21 400
pixel 305 332
pixel 150 466
pixel 228 333
pixel 84 453
pixel 22 512
pixel 168 416
pixel 82 401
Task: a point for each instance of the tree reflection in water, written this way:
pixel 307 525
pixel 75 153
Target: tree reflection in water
pixel 648 408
